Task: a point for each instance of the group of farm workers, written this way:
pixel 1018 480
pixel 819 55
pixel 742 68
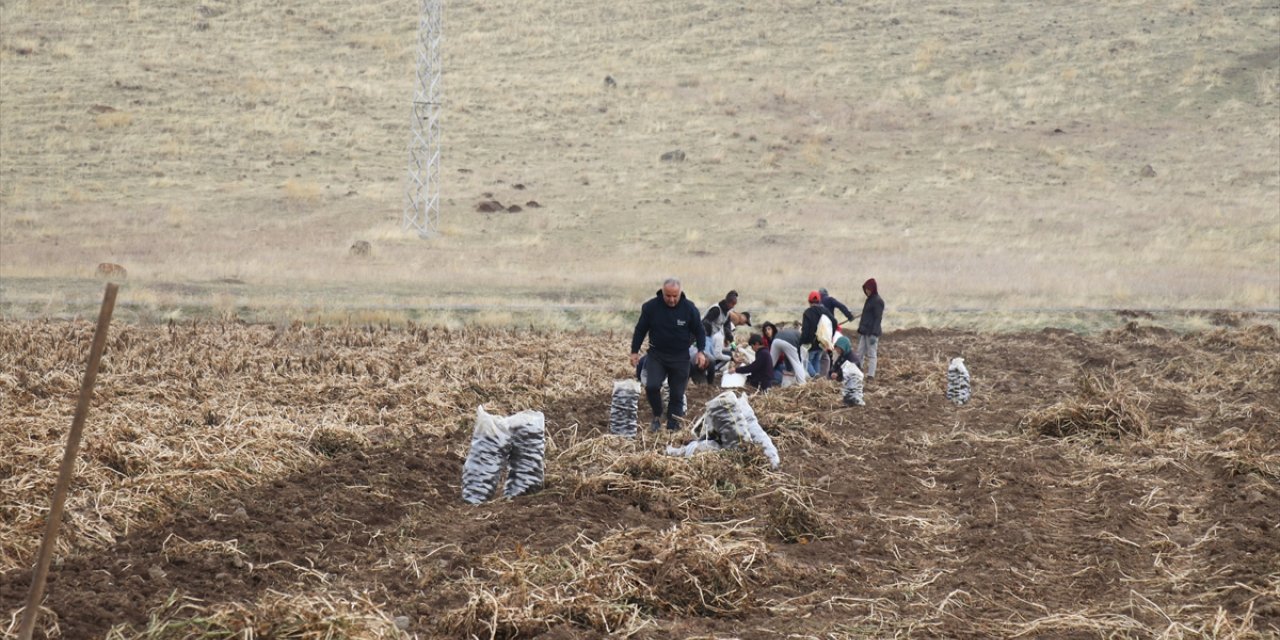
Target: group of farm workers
pixel 685 344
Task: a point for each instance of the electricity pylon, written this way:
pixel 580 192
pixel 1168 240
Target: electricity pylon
pixel 422 206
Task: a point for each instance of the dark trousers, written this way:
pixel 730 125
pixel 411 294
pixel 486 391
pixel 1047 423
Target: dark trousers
pixel 674 368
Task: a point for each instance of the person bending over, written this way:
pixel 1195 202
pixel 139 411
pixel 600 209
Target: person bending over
pixel 787 345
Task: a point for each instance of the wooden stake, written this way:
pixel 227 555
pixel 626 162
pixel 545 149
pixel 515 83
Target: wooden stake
pixel 68 466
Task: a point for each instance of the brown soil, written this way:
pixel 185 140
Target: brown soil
pixel 939 521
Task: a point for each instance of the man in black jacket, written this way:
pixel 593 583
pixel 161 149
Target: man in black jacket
pixel 673 325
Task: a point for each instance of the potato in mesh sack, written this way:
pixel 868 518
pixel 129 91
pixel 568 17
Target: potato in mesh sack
pixel 727 421
pixel 517 443
pixel 851 388
pixel 527 454
pixel 490 442
pixel 623 420
pixel 958 382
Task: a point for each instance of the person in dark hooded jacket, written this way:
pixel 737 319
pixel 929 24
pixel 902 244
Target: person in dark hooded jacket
pixel 869 327
pixel 673 325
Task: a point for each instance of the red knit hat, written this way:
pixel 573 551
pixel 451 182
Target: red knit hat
pixel 814 296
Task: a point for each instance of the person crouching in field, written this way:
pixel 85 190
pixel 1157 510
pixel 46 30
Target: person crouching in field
pixel 869 326
pixel 673 324
pixel 842 351
pixel 760 371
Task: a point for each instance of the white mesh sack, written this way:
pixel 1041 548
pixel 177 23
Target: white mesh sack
pixel 490 442
pixel 826 333
pixel 527 453
pixel 693 448
pixel 723 420
pixel 756 433
pixel 851 390
pixel 727 422
pixel 958 382
pixel 622 411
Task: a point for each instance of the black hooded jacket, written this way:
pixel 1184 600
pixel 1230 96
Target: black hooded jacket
pixel 872 313
pixel 671 330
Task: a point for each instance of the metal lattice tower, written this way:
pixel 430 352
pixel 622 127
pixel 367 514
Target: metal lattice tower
pixel 422 206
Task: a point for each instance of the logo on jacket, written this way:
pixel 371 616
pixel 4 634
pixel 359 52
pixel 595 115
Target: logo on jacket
pixel 680 323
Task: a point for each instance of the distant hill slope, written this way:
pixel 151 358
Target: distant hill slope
pixel 976 154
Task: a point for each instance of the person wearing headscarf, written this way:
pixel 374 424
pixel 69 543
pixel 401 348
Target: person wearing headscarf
pixel 842 351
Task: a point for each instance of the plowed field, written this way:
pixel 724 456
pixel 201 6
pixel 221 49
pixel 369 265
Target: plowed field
pixel 296 481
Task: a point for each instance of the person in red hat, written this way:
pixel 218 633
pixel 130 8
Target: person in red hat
pixel 810 328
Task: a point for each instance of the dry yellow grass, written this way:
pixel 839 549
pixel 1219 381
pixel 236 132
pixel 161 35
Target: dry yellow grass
pixel 140 459
pixel 981 155
pixel 298 616
pixel 883 520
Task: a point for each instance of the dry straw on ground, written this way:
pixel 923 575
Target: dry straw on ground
pixel 615 585
pixel 183 412
pixel 909 516
pixel 1104 406
pixel 303 616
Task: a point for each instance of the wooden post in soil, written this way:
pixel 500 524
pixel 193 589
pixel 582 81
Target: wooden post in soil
pixel 68 466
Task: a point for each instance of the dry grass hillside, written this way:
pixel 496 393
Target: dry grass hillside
pixel 976 154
